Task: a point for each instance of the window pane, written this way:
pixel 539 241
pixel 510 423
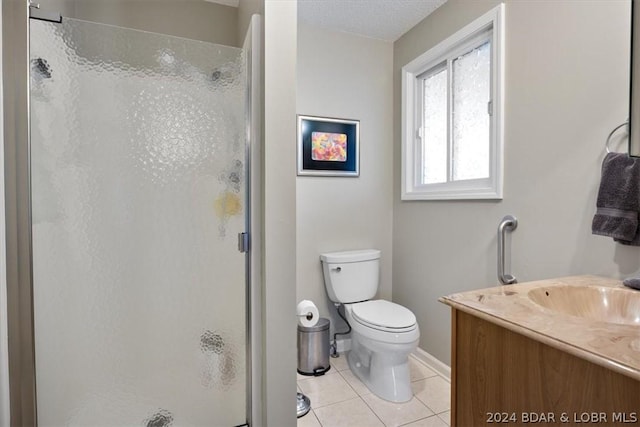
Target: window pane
pixel 471 94
pixel 434 128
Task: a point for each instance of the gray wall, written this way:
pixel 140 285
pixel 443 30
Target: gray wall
pixel 192 19
pixel 567 84
pixel 337 79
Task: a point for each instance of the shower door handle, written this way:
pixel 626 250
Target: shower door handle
pixel 243 242
pixel 508 223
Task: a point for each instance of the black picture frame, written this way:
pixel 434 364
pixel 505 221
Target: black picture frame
pixel 328 147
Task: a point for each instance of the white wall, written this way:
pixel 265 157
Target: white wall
pixel 279 244
pixel 567 84
pixel 345 76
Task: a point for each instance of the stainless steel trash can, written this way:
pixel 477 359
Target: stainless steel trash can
pixel 313 348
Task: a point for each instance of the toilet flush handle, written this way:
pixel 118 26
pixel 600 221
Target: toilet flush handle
pixel 338 269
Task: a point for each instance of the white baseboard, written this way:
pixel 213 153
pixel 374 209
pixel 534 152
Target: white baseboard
pixel 441 368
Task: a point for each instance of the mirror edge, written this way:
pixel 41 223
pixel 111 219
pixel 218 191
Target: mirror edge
pixel 634 86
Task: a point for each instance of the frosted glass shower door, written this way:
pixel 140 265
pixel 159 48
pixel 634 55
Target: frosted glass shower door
pixel 138 194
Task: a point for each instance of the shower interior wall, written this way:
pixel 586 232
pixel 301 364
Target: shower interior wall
pixel 196 20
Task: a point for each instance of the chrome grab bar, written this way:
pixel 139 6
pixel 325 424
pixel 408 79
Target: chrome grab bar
pixel 508 223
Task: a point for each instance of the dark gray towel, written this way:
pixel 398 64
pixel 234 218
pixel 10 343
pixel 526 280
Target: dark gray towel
pixel 618 202
pixel 632 282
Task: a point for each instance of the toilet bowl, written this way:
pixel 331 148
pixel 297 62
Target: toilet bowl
pixel 383 333
pixel 379 354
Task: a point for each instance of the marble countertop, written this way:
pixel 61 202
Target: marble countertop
pixel 614 346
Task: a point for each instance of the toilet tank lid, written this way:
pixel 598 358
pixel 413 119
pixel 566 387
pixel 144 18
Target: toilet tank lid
pixel 350 256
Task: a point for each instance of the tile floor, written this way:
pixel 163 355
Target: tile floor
pixel 338 398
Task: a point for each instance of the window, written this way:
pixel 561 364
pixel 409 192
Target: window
pixel 452 116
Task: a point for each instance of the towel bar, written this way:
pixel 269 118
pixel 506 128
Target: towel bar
pixel 606 146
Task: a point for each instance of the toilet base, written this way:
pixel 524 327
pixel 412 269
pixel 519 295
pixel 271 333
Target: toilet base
pixel 385 374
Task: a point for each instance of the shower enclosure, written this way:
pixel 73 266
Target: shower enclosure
pixel 139 209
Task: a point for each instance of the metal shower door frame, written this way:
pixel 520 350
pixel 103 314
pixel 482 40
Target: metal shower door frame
pixel 15 44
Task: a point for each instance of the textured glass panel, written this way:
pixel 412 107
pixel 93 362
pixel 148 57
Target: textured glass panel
pixel 138 193
pixel 471 94
pixel 434 128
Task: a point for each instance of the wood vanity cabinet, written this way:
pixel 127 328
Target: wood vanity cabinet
pixel 502 377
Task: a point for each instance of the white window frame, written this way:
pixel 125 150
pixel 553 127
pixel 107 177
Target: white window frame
pixel 490 188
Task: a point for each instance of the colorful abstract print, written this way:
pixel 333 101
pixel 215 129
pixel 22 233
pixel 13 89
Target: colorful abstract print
pixel 330 147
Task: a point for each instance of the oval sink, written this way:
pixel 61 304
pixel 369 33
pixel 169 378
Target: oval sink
pixel 609 305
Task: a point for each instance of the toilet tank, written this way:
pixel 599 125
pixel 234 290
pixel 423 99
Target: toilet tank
pixel 351 276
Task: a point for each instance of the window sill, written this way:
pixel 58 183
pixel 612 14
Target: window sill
pixel 475 194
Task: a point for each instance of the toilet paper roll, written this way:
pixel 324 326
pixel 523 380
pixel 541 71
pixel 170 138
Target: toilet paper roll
pixel 307 313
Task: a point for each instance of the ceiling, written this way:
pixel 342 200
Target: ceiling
pixel 379 19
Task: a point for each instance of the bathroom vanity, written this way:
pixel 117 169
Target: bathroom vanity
pixel 552 352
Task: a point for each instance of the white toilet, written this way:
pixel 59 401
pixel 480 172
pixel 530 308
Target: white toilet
pixel 383 333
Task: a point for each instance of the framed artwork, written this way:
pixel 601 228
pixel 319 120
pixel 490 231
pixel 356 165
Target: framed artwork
pixel 328 147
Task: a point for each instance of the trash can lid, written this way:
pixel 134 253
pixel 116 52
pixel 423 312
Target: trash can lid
pixel 323 323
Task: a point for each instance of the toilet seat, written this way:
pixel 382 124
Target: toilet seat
pixel 384 315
